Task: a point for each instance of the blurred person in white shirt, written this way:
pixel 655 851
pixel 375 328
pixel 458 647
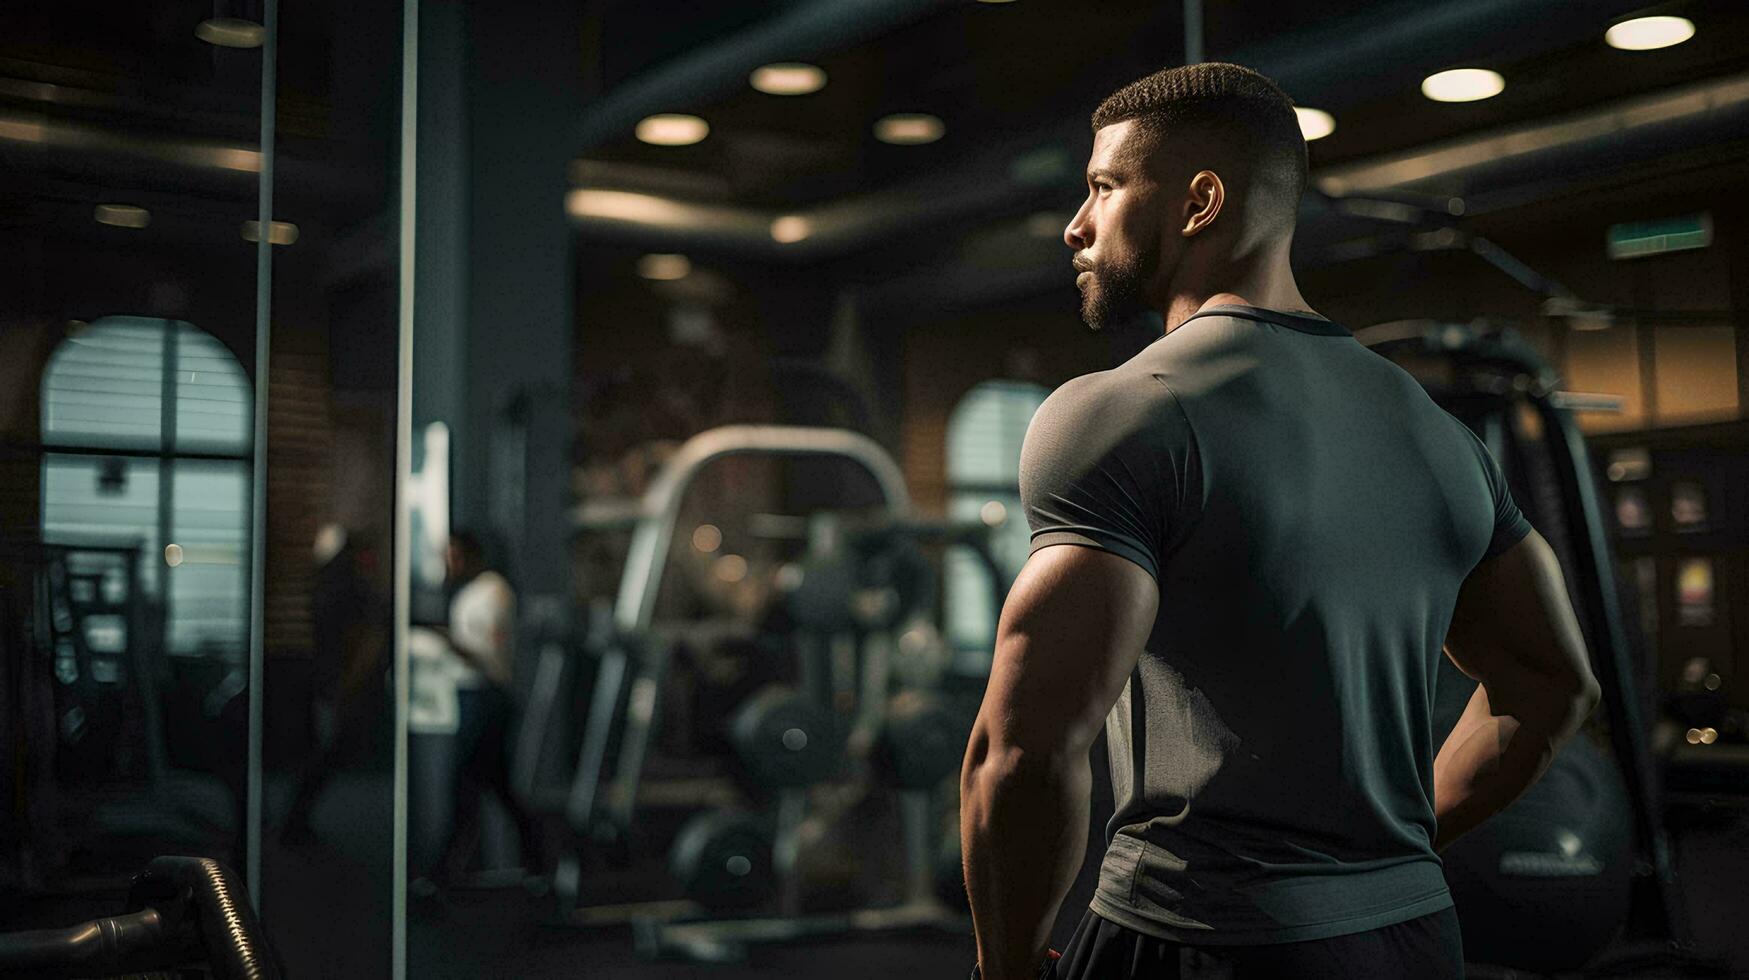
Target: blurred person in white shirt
pixel 481 635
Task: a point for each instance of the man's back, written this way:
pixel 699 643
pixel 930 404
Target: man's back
pixel 1309 515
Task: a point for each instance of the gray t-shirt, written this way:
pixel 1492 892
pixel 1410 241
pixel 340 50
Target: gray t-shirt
pixel 1309 514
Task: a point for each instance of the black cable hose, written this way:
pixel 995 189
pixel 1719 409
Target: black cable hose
pixel 181 910
pixel 226 922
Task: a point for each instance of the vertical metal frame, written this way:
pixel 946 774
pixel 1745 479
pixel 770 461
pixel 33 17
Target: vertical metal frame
pixel 1611 657
pixel 404 472
pixel 258 480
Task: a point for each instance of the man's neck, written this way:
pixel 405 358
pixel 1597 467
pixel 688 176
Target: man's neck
pixel 1276 291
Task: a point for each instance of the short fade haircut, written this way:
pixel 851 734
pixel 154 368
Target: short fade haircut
pixel 1242 109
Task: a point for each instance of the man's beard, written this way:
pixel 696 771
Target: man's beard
pixel 1115 292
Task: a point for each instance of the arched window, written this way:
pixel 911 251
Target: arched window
pixel 984 435
pixel 146 431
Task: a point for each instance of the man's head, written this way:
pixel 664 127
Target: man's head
pixel 465 557
pixel 1194 169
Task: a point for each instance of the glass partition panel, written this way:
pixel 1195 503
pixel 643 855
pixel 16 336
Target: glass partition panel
pixel 327 741
pixel 131 139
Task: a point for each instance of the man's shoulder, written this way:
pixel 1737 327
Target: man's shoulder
pixel 1133 391
pixel 1095 416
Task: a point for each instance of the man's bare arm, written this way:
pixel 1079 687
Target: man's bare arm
pixel 1513 631
pixel 1071 631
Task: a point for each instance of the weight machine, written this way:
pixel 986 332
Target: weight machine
pixel 1487 376
pixel 85 714
pixel 858 579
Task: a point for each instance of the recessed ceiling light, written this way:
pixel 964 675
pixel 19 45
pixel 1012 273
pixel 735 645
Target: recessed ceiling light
pixel 278 232
pixel 122 216
pixel 909 128
pixel 1649 33
pixel 664 266
pixel 586 202
pixel 672 129
pixel 791 228
pixel 1315 124
pixel 1463 85
pixel 788 78
pixel 230 32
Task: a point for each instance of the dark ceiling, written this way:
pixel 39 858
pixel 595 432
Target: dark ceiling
pixel 996 73
pixel 1005 77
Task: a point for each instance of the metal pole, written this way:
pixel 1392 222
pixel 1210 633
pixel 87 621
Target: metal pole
pixel 258 541
pixel 147 668
pixel 1594 578
pixel 1192 31
pixel 404 474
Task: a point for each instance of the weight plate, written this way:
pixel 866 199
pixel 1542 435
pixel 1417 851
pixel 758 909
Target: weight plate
pixel 784 740
pixel 723 860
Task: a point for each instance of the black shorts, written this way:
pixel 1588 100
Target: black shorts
pixel 1427 948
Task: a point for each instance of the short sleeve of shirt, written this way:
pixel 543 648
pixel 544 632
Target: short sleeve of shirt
pixel 1107 464
pixel 1510 525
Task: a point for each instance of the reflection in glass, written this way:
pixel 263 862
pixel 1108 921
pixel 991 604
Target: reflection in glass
pixel 160 392
pixel 209 521
pixel 131 154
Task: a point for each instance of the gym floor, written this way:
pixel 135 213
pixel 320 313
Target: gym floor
pixel 326 901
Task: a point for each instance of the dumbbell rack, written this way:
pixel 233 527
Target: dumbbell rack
pixel 726 940
pixel 640 672
pixel 629 670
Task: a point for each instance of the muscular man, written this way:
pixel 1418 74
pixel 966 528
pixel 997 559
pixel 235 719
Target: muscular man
pixel 1249 544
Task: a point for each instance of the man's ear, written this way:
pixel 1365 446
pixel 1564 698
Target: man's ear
pixel 1207 194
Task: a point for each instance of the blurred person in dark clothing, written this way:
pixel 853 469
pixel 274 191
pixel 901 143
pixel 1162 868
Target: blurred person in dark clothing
pixel 347 667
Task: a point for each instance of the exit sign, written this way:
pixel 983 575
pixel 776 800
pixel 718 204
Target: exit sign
pixel 1638 239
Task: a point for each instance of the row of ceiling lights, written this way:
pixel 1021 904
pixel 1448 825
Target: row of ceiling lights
pixel 916 128
pixel 1476 84
pixel 1639 34
pixel 223 32
pixel 135 217
pixel 794 78
pixel 911 129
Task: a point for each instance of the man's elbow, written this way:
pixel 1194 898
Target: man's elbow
pixel 1550 701
pixel 994 761
pixel 1588 695
pixel 1578 687
pixel 1565 702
